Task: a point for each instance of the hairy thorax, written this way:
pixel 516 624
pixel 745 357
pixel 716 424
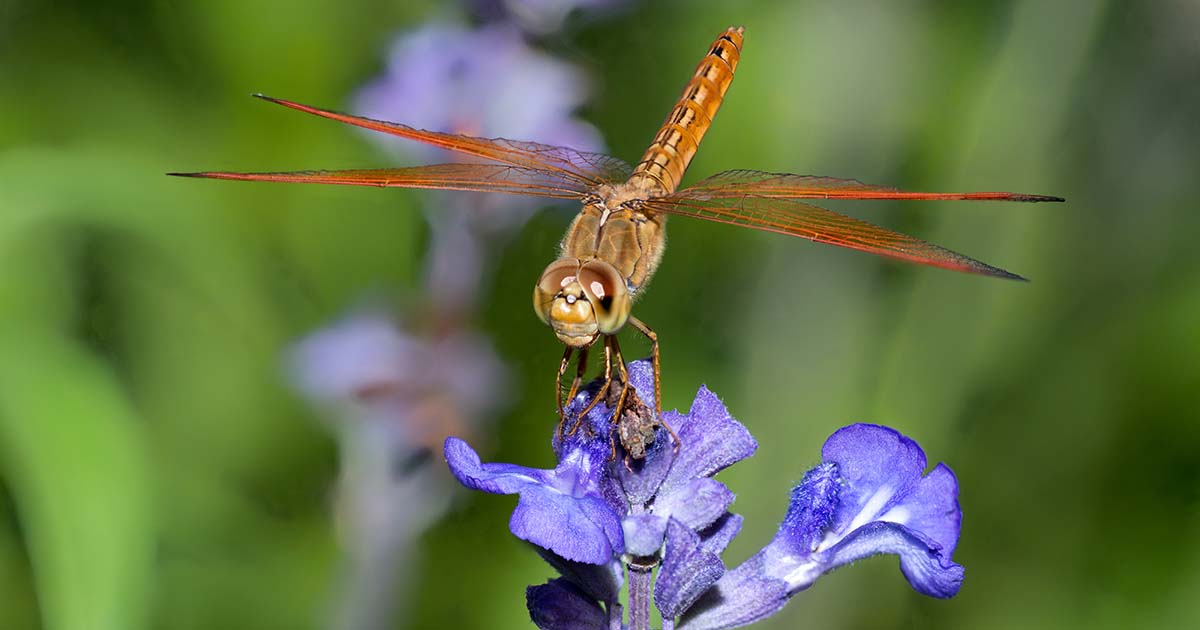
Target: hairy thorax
pixel 613 228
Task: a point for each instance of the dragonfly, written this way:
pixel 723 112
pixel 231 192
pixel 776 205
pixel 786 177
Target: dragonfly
pixel 616 242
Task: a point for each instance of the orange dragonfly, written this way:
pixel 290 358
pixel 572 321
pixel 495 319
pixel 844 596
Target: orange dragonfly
pixel 616 242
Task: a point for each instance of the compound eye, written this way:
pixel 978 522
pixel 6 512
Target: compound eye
pixel 605 289
pixel 555 278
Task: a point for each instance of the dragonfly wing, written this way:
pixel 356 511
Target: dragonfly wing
pixel 580 166
pixel 788 186
pixel 470 177
pixel 786 216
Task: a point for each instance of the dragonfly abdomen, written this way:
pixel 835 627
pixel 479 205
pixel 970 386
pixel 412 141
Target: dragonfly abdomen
pixel 664 162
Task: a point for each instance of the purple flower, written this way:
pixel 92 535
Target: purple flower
pixel 394 396
pixel 368 368
pixel 562 510
pixel 673 499
pixel 537 16
pixel 867 497
pixel 483 82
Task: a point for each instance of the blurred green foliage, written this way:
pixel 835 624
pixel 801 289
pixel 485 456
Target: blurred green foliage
pixel 155 471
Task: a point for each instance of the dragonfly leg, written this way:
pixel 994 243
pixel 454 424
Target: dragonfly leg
pixel 635 448
pixel 562 369
pixel 653 337
pixel 620 406
pixel 603 388
pixel 580 372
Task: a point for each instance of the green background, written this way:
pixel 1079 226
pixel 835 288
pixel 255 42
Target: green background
pixel 157 472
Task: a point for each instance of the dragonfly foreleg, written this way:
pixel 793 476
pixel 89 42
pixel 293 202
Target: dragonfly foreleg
pixel 562 369
pixel 580 372
pixel 608 341
pixel 653 337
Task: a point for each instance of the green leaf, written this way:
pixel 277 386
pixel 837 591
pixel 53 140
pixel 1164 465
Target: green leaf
pixel 72 451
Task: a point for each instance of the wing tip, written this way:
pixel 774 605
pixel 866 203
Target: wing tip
pixel 269 99
pixel 1037 198
pixel 985 269
pixel 1008 275
pixel 211 175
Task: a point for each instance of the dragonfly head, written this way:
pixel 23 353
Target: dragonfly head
pixel 581 300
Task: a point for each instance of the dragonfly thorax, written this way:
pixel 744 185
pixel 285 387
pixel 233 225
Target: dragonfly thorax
pixel 625 196
pixel 581 300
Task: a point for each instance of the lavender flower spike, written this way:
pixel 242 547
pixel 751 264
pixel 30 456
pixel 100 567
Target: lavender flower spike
pixel 867 498
pixel 595 514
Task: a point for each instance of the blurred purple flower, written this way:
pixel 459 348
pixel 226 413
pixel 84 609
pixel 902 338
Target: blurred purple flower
pixel 393 396
pixel 537 16
pixel 367 363
pixel 398 393
pixel 483 82
pixel 868 497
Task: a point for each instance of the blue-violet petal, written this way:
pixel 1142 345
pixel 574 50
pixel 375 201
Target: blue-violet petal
pixel 688 570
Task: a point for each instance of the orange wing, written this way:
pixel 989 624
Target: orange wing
pixel 729 184
pixel 818 224
pixel 470 177
pixel 567 164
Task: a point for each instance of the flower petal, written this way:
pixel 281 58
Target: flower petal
pixel 878 466
pixel 716 537
pixel 931 509
pixel 887 507
pixel 464 462
pixel 925 564
pixel 688 570
pixel 868 500
pixel 742 596
pixel 696 504
pixel 560 510
pixel 601 582
pixel 644 533
pixel 583 529
pixel 560 605
pixel 711 441
pixel 641 478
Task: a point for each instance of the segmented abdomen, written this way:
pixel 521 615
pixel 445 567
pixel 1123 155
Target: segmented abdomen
pixel 673 148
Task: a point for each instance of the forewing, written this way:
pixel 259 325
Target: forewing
pixel 737 183
pixel 569 164
pixel 796 218
pixel 469 177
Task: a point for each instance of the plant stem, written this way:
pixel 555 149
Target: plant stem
pixel 639 596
